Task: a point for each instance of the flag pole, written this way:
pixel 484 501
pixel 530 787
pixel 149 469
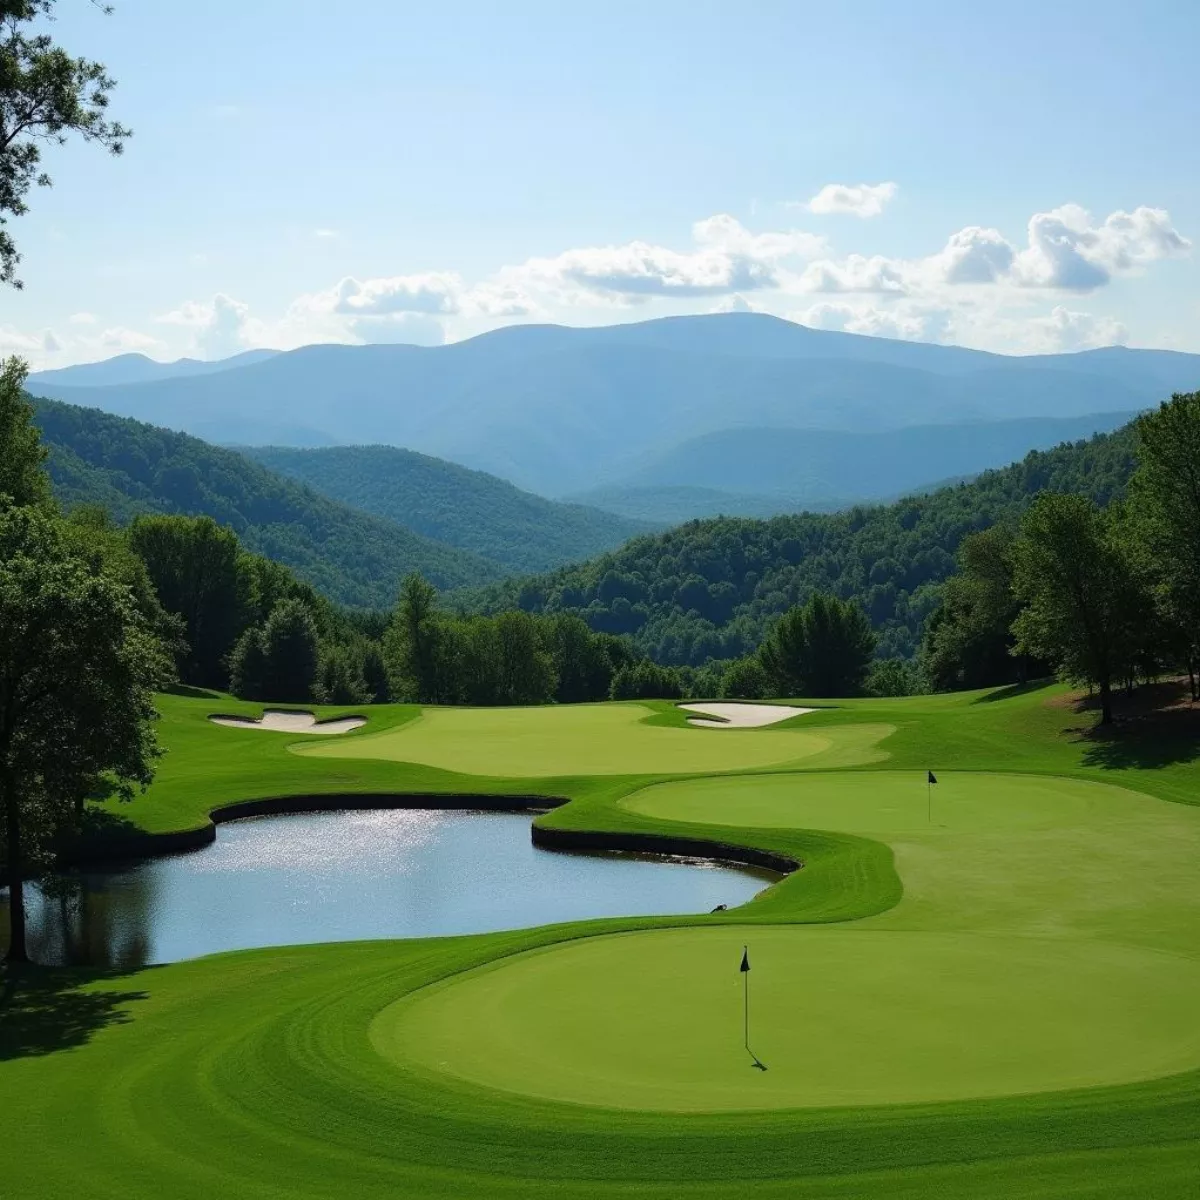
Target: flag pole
pixel 746 995
pixel 928 799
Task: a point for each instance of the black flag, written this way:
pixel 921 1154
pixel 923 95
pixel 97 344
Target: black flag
pixel 932 777
pixel 745 960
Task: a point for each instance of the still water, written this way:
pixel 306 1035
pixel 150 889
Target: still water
pixel 324 877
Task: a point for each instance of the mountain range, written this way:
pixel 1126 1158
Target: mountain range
pixel 560 411
pixel 352 555
pixel 765 472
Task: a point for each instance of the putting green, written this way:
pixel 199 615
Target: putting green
pixel 876 801
pixel 840 1016
pixel 593 739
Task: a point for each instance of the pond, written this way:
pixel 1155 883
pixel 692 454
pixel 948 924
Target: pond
pixel 342 876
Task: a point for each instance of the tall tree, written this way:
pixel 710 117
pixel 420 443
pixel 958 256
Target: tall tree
pixel 45 96
pixel 78 668
pixel 969 640
pixel 198 571
pixel 290 653
pixel 22 479
pixel 1166 498
pixel 1083 602
pixel 821 648
pixel 411 645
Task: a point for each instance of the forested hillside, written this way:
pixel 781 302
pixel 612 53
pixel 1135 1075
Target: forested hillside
pixel 130 468
pixel 708 588
pixel 452 504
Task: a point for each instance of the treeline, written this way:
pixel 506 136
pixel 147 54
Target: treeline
pixel 133 469
pixel 710 590
pixel 1106 595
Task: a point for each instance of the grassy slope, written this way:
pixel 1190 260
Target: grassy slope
pixel 254 1073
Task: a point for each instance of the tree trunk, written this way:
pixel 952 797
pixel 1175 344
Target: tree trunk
pixel 1105 702
pixel 17 951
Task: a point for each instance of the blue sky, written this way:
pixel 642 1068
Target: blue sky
pixel 1019 177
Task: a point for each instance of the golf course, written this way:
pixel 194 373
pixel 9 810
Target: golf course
pixel 985 985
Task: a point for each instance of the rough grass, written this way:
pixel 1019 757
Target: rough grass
pixel 256 1074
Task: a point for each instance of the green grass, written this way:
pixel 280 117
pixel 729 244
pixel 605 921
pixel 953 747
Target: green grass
pixel 596 739
pixel 1041 936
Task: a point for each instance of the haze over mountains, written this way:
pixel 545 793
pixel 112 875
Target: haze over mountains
pixel 563 411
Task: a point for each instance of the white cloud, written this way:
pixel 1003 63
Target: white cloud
pixel 117 340
pixel 326 234
pixel 735 303
pixel 433 292
pixel 1067 251
pixel 1064 329
pixel 220 327
pixel 858 200
pixel 13 341
pixel 856 273
pixel 910 322
pixel 414 329
pixel 727 258
pixel 973 255
pixel 83 318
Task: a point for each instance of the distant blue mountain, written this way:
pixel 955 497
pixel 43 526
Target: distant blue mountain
pixel 761 472
pixel 559 410
pixel 137 368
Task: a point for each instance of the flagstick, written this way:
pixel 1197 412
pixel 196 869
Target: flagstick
pixel 928 800
pixel 746 993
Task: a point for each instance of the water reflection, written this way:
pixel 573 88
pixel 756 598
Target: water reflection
pixel 344 876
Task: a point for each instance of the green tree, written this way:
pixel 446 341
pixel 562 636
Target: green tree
pixel 198 571
pixel 22 479
pixel 646 681
pixel 893 677
pixel 290 653
pixel 969 640
pixel 1083 602
pixel 411 644
pixel 1166 499
pixel 78 668
pixel 340 676
pixel 744 679
pixel 821 648
pixel 45 95
pixel 248 665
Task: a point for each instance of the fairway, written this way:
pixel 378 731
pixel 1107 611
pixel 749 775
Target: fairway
pixel 590 739
pixel 875 801
pixel 840 1016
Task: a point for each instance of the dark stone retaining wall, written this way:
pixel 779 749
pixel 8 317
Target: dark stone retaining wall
pixel 663 843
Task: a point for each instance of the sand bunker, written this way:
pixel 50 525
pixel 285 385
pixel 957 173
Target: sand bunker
pixel 280 721
pixel 742 716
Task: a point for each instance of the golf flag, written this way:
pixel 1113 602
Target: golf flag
pixel 932 777
pixel 745 959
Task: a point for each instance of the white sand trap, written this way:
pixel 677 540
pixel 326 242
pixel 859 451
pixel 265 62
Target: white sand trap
pixel 291 722
pixel 743 716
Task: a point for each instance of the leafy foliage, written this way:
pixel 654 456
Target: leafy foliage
pixel 710 589
pixel 131 469
pixel 820 648
pixel 45 94
pixel 441 500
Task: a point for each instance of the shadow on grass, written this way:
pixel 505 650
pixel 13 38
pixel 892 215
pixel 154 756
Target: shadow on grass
pixel 1146 744
pixel 44 1010
pixel 1013 689
pixel 192 693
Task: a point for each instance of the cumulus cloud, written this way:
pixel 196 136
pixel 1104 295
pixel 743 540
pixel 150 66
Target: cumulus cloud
pixel 856 273
pixel 117 340
pixel 220 327
pixel 735 303
pixel 974 255
pixel 412 329
pixel 910 323
pixel 727 258
pixel 1067 251
pixel 857 200
pixel 83 318
pixel 433 292
pixel 1064 329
